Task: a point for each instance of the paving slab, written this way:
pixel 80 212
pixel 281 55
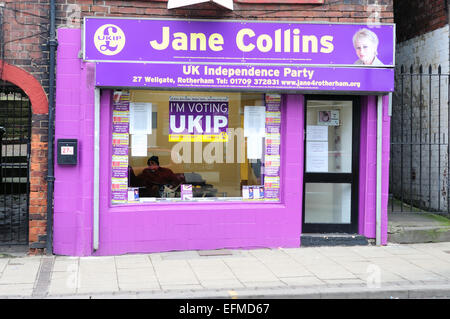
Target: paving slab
pixel 139 275
pixel 20 271
pixel 264 284
pixel 371 251
pixel 182 287
pixel 125 287
pixel 337 252
pixel 66 264
pixel 222 284
pixel 399 250
pixel 16 289
pixel 95 278
pixel 302 281
pixel 175 272
pixel 438 267
pixel 249 270
pixel 355 266
pixel 63 283
pixel 382 279
pixel 287 268
pixel 138 261
pixel 211 270
pixel 268 254
pixel 346 282
pixel 3 263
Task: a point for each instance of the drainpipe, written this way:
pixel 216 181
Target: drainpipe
pixel 96 225
pixel 379 167
pixel 51 105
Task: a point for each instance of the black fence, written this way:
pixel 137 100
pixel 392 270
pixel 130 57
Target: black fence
pixel 419 164
pixel 15 127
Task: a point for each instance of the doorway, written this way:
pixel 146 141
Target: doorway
pixel 15 129
pixel 330 197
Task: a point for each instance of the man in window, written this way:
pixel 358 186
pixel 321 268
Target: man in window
pixel 155 177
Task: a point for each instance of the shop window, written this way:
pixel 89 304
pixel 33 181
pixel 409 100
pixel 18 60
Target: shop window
pixel 172 146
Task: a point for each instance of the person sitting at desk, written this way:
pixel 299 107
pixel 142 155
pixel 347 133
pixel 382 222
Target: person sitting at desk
pixel 154 176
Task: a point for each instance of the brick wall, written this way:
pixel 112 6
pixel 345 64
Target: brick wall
pixel 25 33
pixel 357 11
pixel 24 28
pixel 417 17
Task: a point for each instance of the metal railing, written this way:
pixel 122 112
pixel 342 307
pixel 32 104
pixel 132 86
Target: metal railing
pixel 15 119
pixel 419 165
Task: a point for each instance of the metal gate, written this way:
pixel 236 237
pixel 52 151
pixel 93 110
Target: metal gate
pixel 419 165
pixel 15 127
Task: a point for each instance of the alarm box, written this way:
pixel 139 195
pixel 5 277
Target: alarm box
pixel 67 151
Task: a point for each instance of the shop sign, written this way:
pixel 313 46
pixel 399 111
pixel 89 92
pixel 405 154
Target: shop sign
pixel 241 55
pixel 238 42
pixel 245 77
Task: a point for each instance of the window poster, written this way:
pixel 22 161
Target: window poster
pixel 139 145
pixel 245 192
pixel 329 118
pixel 140 118
pixel 272 149
pixel 254 121
pixel 198 119
pixel 254 147
pixel 133 195
pixel 316 156
pixel 120 121
pixel 258 192
pixel 253 192
pixel 317 148
pixel 254 130
pixel 186 192
pixel 273 143
pixel 317 133
pixel 120 142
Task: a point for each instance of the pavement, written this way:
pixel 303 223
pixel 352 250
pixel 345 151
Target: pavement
pixel 392 271
pixel 414 264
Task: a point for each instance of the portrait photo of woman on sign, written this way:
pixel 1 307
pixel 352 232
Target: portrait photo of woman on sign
pixel 365 43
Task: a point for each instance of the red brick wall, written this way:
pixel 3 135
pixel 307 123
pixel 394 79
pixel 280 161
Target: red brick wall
pixel 417 17
pixel 24 28
pixel 358 11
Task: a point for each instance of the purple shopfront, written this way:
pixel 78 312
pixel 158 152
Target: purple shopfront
pixel 220 134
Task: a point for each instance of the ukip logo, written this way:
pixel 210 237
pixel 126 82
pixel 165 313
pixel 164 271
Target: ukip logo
pixel 109 39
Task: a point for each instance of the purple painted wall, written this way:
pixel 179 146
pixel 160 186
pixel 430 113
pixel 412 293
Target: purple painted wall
pixel 183 226
pixel 74 115
pixel 368 168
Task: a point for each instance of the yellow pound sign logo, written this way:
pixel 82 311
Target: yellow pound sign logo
pixel 109 39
